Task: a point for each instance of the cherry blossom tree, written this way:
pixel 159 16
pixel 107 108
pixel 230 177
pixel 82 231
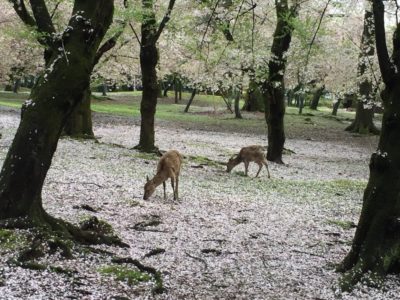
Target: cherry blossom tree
pixel 375 248
pixel 69 58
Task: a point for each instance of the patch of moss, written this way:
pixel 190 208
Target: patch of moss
pixel 240 173
pixel 96 225
pixel 346 225
pixel 8 239
pixel 131 276
pixel 148 156
pixel 202 160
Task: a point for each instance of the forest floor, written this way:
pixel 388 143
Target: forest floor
pixel 228 236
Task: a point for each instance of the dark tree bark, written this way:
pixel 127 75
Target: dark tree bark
pixel 52 100
pixel 254 99
pixel 79 123
pixel 274 86
pixel 238 115
pixel 376 244
pixel 148 62
pixel 363 122
pixel 194 91
pixel 336 107
pixel 316 96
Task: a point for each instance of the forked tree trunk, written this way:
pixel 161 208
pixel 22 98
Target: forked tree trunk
pixel 376 244
pixel 148 62
pixel 52 100
pixel 274 87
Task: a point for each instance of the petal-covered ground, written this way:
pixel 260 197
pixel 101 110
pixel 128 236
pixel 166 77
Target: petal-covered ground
pixel 228 236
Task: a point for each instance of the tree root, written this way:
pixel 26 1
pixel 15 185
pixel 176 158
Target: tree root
pixel 159 288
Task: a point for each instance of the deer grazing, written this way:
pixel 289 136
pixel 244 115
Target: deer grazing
pixel 253 153
pixel 169 166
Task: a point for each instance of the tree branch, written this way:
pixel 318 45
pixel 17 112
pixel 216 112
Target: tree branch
pixel 22 12
pixel 387 68
pixel 316 32
pixel 55 9
pixel 109 44
pixel 42 16
pixel 164 20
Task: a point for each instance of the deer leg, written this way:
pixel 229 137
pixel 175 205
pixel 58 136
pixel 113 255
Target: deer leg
pixel 246 167
pixel 259 168
pixel 173 185
pixel 266 165
pixel 165 196
pixel 176 188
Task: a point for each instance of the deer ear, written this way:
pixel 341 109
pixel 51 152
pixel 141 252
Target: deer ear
pixel 147 178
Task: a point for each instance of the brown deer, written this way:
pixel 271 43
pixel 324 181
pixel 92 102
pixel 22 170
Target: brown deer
pixel 253 153
pixel 169 166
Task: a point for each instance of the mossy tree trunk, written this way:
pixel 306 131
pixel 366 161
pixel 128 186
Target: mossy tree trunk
pixel 148 62
pixel 79 123
pixel 52 100
pixel 376 244
pixel 363 122
pixel 274 86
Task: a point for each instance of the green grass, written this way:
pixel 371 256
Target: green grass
pixel 128 104
pixel 346 225
pixel 121 273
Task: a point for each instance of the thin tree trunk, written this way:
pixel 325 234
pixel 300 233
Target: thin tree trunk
pixel 238 115
pixel 336 107
pixel 104 89
pixel 274 87
pixel 194 91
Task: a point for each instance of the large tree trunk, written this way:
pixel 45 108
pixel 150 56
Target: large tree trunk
pixel 363 122
pixel 376 244
pixel 79 123
pixel 148 63
pixel 316 96
pixel 274 87
pixel 52 100
pixel 254 99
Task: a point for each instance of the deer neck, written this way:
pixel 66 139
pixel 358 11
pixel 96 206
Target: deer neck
pixel 158 179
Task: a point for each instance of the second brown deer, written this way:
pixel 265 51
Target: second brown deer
pixel 169 166
pixel 246 155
